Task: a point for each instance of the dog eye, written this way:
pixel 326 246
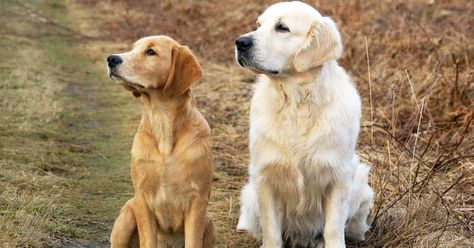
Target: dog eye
pixel 257 25
pixel 150 52
pixel 282 28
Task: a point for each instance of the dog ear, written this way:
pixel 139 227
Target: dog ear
pixel 185 70
pixel 322 44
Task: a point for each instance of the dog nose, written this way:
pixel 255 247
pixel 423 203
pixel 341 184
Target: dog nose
pixel 243 43
pixel 114 60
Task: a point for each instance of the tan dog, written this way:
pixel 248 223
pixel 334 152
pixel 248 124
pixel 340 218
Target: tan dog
pixel 171 158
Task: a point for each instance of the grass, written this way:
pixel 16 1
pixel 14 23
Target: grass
pixel 66 130
pixel 61 167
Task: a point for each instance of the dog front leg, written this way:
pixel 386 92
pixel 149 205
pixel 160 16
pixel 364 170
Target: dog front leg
pixel 195 224
pixel 146 223
pixel 336 210
pixel 270 216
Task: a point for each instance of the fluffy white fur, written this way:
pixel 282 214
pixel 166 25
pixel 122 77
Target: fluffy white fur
pixel 305 179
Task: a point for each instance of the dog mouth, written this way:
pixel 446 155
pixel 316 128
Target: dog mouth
pixel 115 76
pixel 244 62
pixel 241 61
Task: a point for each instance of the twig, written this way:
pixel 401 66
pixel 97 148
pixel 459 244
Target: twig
pixel 452 185
pixel 102 155
pixel 447 219
pixel 397 141
pixel 370 91
pixel 416 140
pixel 394 96
pixel 440 162
pixel 446 207
pixel 429 142
pixel 230 206
pixel 412 89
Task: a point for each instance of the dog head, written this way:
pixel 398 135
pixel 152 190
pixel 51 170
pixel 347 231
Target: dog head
pixel 155 63
pixel 290 37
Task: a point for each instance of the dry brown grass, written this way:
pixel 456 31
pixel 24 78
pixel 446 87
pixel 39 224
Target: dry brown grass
pixel 411 61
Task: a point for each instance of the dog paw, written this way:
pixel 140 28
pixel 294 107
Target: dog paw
pixel 318 244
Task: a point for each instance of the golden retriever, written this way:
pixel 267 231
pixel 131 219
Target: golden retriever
pixel 306 185
pixel 171 158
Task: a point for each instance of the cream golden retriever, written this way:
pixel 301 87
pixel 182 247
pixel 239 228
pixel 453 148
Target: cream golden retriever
pixel 307 187
pixel 171 158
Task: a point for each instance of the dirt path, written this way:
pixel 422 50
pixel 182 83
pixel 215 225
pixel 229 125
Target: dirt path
pixel 65 133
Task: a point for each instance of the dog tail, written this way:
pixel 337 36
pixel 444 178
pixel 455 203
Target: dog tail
pixel 249 219
pixel 362 173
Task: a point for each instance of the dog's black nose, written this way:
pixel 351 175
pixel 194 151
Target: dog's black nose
pixel 114 60
pixel 243 43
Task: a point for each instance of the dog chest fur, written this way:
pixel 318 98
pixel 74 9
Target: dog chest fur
pixel 161 181
pixel 293 123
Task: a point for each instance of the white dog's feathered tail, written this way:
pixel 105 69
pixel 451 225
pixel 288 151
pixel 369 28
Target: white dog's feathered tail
pixel 249 219
pixel 362 200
